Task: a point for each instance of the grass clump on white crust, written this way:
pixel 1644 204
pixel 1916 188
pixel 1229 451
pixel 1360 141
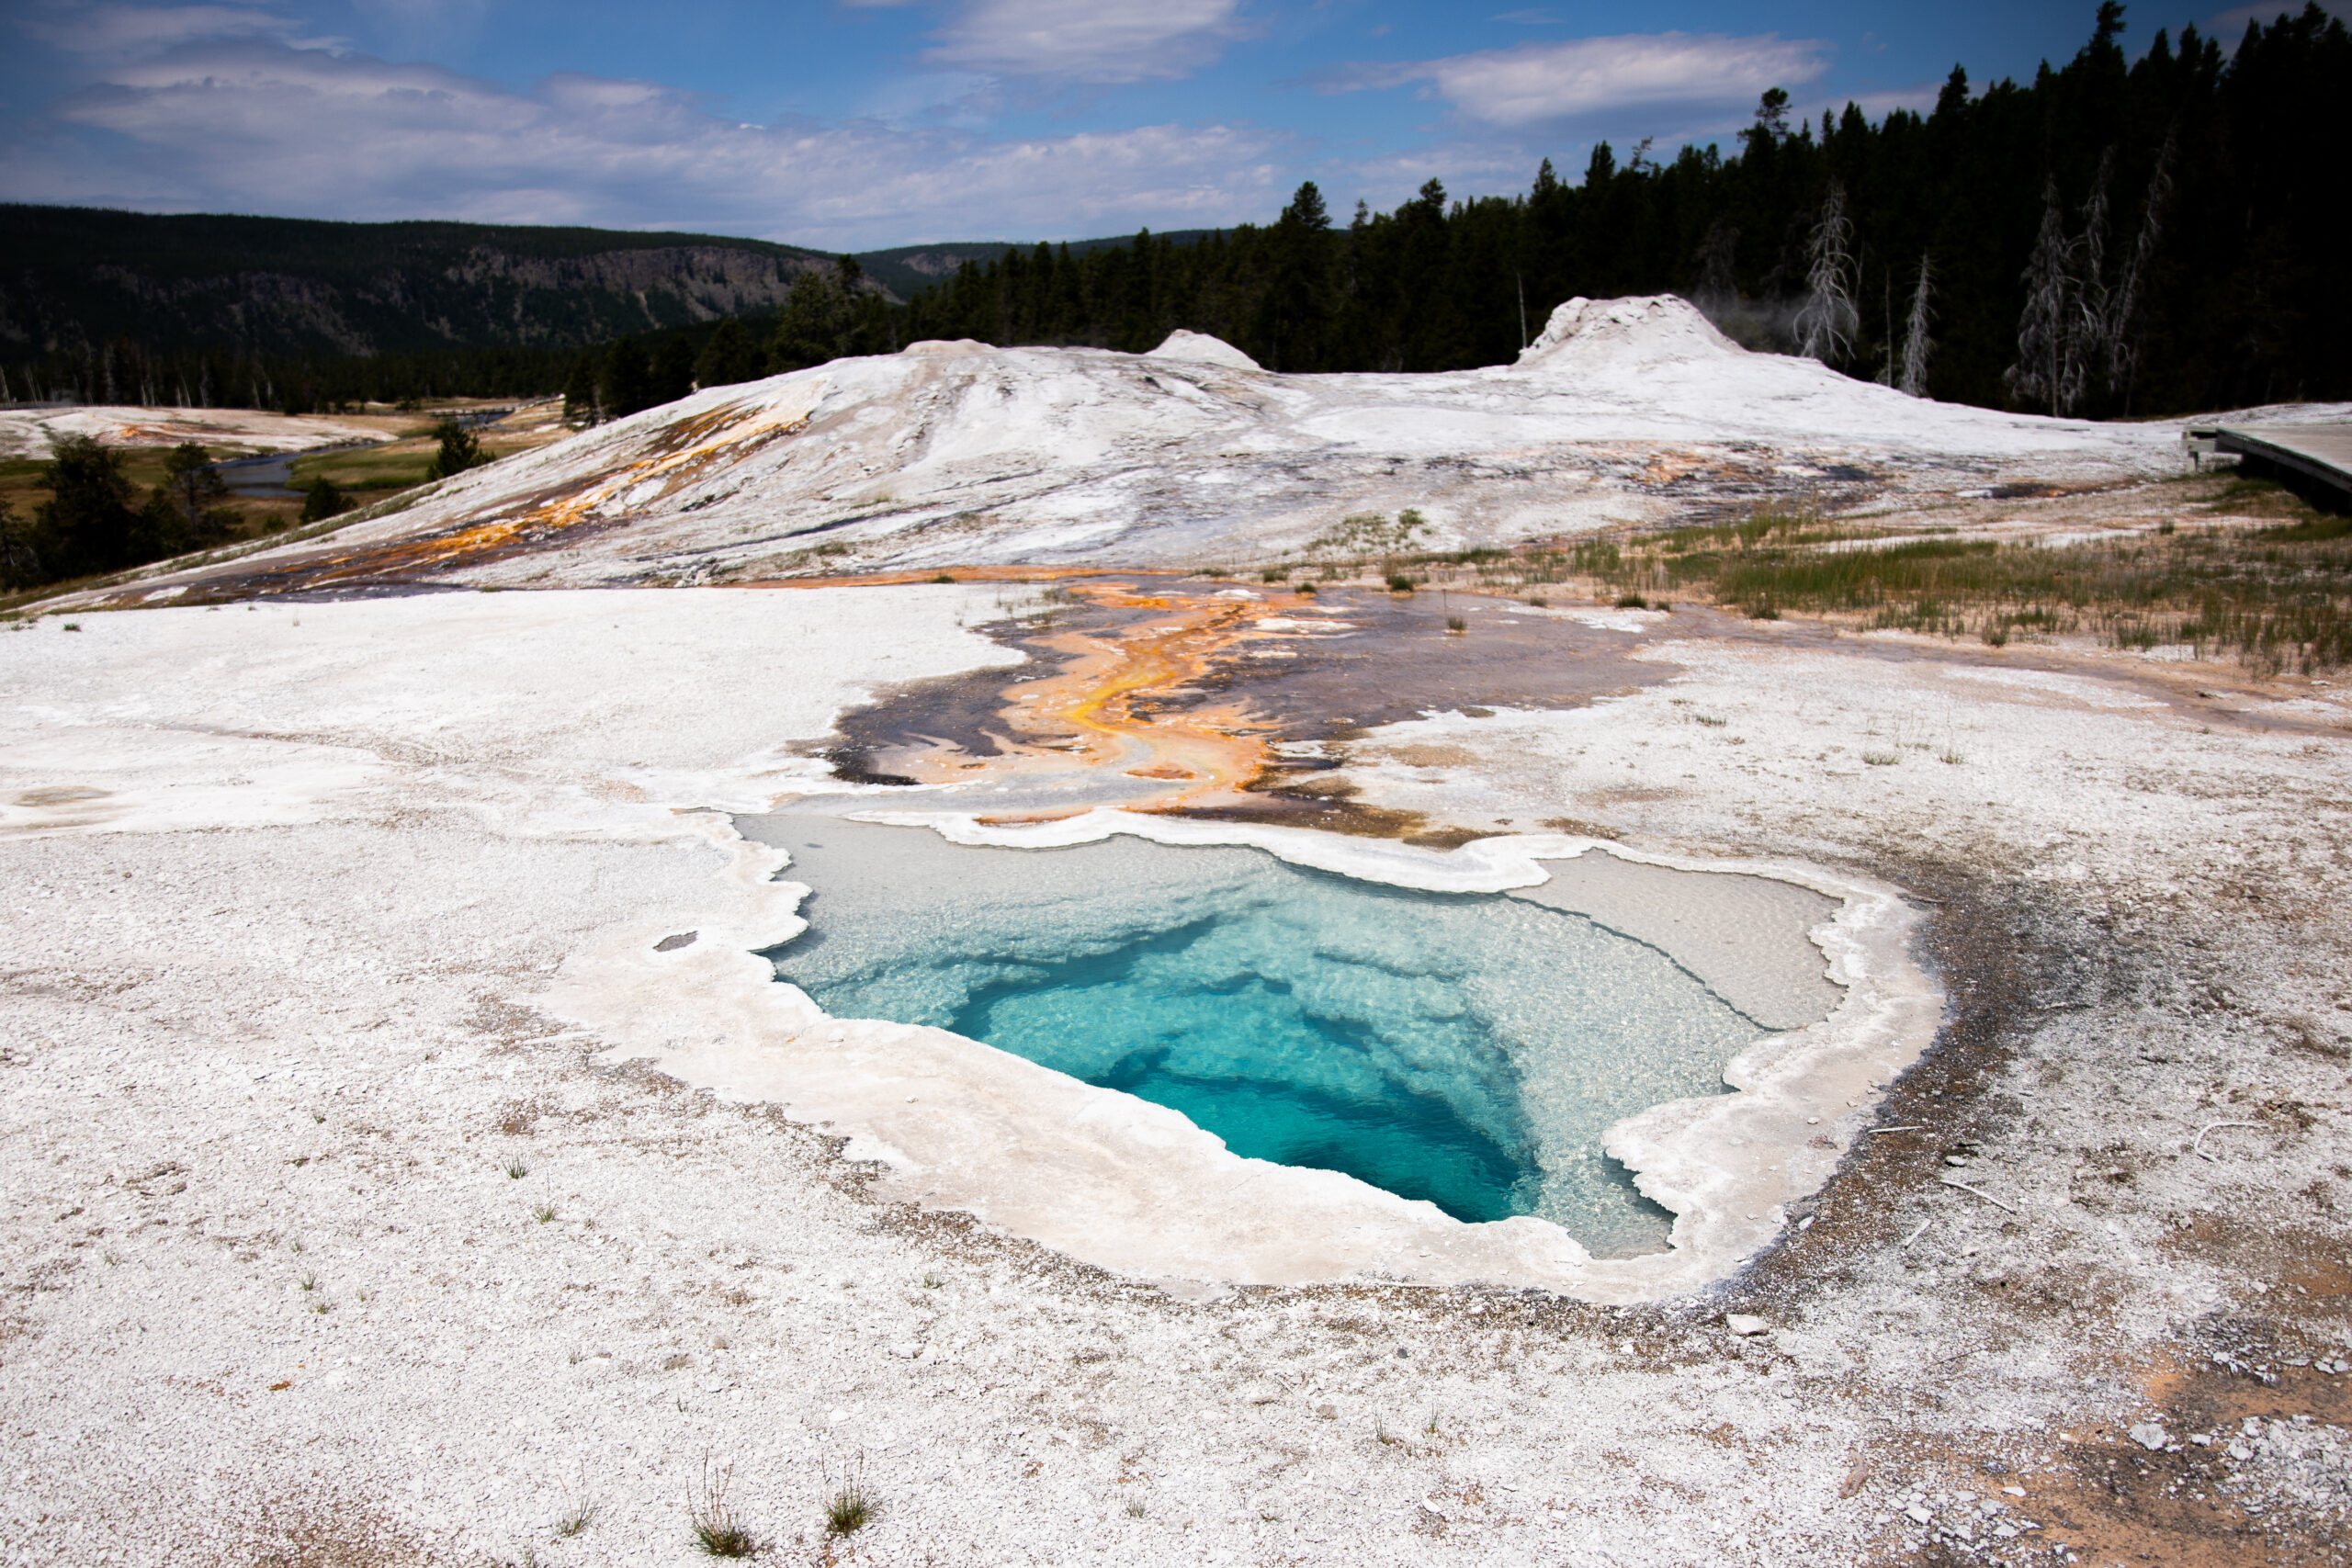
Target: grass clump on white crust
pixel 718 1530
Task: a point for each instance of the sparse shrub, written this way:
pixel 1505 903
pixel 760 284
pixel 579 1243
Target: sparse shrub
pixel 1274 575
pixel 517 1170
pixel 1881 759
pixel 1632 602
pixel 932 1281
pixel 1457 623
pixel 1763 610
pixel 323 500
pixel 718 1532
pixel 1535 601
pixel 458 451
pixel 1399 583
pixel 1306 591
pixel 544 1212
pixel 944 577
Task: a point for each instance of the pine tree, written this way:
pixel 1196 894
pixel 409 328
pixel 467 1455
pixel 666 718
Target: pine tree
pixel 1717 288
pixel 624 382
pixel 323 500
pixel 193 493
pixel 580 393
pixel 20 562
pixel 1293 317
pixel 1826 323
pixel 729 357
pixel 86 524
pixel 459 450
pixel 814 323
pixel 673 371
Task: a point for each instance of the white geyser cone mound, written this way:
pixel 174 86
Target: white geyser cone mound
pixel 958 453
pixel 1200 348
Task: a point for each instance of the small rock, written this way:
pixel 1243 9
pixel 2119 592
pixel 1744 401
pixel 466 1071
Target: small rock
pixel 1743 1324
pixel 1917 1514
pixel 2149 1436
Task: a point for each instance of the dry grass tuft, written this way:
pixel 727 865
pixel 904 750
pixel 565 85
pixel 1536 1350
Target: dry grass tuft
pixel 852 1507
pixel 718 1531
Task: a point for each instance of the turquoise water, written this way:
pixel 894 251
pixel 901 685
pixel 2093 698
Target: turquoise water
pixel 1469 1050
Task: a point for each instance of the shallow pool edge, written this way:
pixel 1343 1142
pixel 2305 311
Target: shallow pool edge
pixel 1727 1164
pixel 1138 1189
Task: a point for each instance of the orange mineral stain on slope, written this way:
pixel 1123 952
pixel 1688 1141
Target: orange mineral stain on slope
pixel 682 454
pixel 1106 708
pixel 673 455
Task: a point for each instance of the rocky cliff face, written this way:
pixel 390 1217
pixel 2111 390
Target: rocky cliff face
pixel 72 276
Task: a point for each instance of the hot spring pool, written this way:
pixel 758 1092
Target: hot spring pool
pixel 1466 1049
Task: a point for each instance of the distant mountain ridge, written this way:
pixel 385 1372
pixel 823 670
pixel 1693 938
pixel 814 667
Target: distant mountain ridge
pixel 907 270
pixel 73 278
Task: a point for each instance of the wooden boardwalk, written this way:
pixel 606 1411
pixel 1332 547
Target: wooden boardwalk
pixel 2313 454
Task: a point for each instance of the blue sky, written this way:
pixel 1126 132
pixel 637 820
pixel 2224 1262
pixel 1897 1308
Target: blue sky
pixel 856 124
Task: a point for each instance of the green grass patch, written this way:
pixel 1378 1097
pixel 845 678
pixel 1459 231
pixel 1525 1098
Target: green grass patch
pixel 2275 598
pixel 366 468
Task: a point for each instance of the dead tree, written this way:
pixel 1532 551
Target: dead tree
pixel 2044 371
pixel 1916 344
pixel 1826 324
pixel 2123 305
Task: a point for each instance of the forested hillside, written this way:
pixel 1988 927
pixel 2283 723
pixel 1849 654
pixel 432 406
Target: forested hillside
pixel 2110 237
pixel 126 307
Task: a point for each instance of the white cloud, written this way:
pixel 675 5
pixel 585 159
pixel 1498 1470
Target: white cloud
pixel 139 29
pixel 260 127
pixel 1533 83
pixel 1089 41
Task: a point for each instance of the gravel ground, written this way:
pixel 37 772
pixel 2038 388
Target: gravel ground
pixel 324 1244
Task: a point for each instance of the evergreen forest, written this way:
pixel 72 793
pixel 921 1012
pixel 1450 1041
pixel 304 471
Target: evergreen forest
pixel 2113 237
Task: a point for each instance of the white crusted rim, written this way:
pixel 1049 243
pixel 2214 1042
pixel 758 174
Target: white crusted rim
pixel 1139 1190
